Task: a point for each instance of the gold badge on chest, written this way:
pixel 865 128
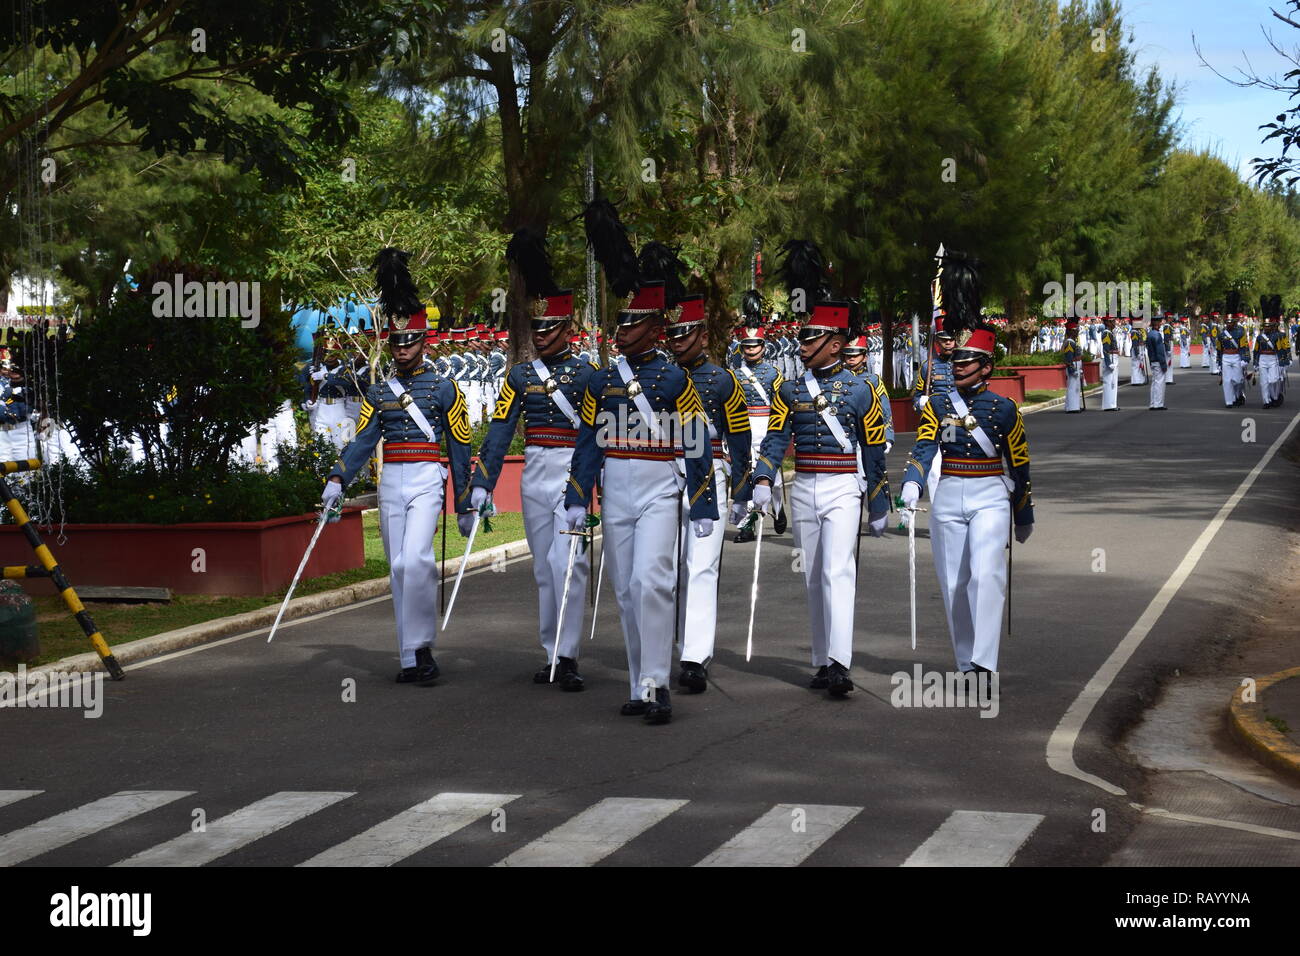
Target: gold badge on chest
pixel 820 403
pixel 633 388
pixel 551 385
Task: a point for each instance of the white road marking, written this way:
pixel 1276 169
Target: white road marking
pixel 64 828
pixel 229 833
pixel 973 838
pixel 784 836
pixel 412 830
pixel 594 833
pixel 1060 746
pixel 13 796
pixel 1226 824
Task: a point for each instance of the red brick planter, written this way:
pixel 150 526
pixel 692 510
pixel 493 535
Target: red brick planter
pixel 1091 373
pixel 1012 386
pixel 238 557
pixel 1040 378
pixel 905 417
pixel 506 494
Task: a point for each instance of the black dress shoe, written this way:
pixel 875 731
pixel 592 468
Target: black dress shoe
pixel 633 708
pixel 425 671
pixel 743 535
pixel 821 680
pixel 567 676
pixel 779 524
pixel 839 684
pixel 693 677
pixel 543 675
pixel 659 710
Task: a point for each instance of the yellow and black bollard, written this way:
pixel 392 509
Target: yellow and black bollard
pixel 50 568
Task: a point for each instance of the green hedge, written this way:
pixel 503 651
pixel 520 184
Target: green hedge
pixel 1037 358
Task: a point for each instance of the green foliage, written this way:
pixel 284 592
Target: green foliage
pixel 1033 358
pixel 187 389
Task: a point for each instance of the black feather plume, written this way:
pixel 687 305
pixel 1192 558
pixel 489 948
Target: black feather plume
pixel 607 237
pixel 1270 306
pixel 752 308
pixel 657 261
pixel 804 268
pixel 527 250
pixel 393 283
pixel 1233 302
pixel 961 292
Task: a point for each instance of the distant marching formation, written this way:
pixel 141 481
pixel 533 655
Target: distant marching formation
pixel 659 444
pixel 1241 349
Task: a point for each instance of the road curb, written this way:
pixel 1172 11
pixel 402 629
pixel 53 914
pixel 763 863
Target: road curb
pixel 205 631
pixel 1265 742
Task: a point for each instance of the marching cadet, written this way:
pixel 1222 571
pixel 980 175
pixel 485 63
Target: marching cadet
pixel 855 360
pixel 1272 352
pixel 838 430
pixel 939 366
pixel 759 380
pixel 1234 352
pixel 1073 359
pixel 331 387
pixel 1139 367
pixel 727 417
pixel 418 414
pixel 17 442
pixel 1203 331
pixel 547 392
pixel 1216 328
pixel 1158 365
pixel 636 414
pixel 979 497
pixel 1167 332
pixel 1109 366
pixel 1183 331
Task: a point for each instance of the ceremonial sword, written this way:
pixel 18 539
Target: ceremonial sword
pixel 753 592
pixel 469 546
pixel 564 599
pixel 325 515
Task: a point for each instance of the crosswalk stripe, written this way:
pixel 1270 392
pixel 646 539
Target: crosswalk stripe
pixel 64 828
pixel 784 836
pixel 974 838
pixel 13 796
pixel 412 830
pixel 229 833
pixel 594 833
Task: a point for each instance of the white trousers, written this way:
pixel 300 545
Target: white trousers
pixel 410 500
pixel 1185 352
pixel 639 526
pixel 1169 367
pixel 1234 379
pixel 1157 387
pixel 541 490
pixel 1074 387
pixel 757 432
pixel 332 421
pixel 1205 355
pixel 1270 378
pixel 827 512
pixel 1109 386
pixel 697 611
pixel 1138 369
pixel 969 531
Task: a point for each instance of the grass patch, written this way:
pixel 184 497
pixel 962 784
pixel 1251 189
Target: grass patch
pixel 1280 725
pixel 61 636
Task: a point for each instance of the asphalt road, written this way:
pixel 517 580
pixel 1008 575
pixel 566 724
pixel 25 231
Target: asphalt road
pixel 758 769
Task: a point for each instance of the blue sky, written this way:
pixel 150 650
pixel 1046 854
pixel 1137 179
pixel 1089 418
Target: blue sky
pixel 1216 114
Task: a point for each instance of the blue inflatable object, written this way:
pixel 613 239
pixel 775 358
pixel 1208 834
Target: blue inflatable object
pixel 346 314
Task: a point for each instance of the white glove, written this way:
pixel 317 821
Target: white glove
pixel 738 512
pixel 308 405
pixel 1023 531
pixel 889 445
pixel 703 527
pixel 575 518
pixel 465 523
pixel 762 496
pixel 332 493
pixel 477 498
pixel 876 524
pixel 318 375
pixel 923 401
pixel 911 495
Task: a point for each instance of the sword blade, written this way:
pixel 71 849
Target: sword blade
pixel 469 546
pixel 320 526
pixel 753 590
pixel 564 603
pixel 911 567
pixel 600 576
